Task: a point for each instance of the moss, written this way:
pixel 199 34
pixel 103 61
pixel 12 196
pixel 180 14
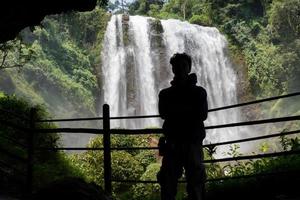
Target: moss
pixel 125 27
pixel 157 31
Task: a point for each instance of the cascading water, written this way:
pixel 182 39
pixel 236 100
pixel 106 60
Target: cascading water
pixel 135 67
pixel 129 83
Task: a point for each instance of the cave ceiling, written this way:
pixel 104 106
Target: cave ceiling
pixel 16 15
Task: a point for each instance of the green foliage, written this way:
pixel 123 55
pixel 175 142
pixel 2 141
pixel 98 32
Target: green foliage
pixel 203 20
pixel 63 74
pixel 48 165
pixel 266 184
pixel 284 20
pixel 15 54
pixel 265 165
pixel 126 165
pixel 145 7
pixel 264 79
pixel 148 192
pixel 142 165
pixel 154 10
pixel 264 33
pixel 102 3
pixel 145 158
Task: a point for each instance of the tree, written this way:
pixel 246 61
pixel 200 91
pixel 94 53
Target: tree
pixel 102 3
pixel 15 54
pixel 285 20
pixel 48 165
pixel 183 8
pixel 119 6
pixel 142 7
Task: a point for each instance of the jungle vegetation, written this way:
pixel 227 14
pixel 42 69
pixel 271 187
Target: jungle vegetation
pixel 64 52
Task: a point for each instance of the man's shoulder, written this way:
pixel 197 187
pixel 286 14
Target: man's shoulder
pixel 171 89
pixel 200 89
pixel 165 91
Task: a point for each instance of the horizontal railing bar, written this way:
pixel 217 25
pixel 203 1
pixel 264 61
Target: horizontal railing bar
pixel 159 130
pixel 137 181
pixel 99 131
pixel 256 122
pixel 135 131
pixel 132 148
pixel 74 119
pixel 257 156
pixel 16 157
pixel 220 108
pixel 251 176
pixel 135 117
pixel 133 181
pixel 256 101
pixel 253 138
pixel 156 148
pixel 213 179
pixel 69 148
pixel 70 130
pixel 153 116
pixel 215 144
pixel 217 109
pixel 87 148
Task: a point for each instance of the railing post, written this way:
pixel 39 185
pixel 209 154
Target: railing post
pixel 30 151
pixel 107 154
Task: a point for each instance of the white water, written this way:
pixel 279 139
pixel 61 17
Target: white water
pixel 135 70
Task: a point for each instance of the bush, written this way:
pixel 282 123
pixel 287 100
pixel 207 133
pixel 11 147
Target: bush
pixel 47 165
pixel 146 192
pixel 203 20
pixel 284 20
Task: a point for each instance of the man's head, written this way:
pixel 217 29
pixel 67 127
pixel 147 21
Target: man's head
pixel 181 64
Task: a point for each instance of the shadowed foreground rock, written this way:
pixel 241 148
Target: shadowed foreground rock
pixel 71 188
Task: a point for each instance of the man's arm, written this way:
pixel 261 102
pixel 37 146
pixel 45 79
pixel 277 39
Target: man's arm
pixel 203 105
pixel 162 105
pixel 200 108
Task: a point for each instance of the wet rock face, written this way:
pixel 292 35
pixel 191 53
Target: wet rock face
pixel 71 188
pixel 159 52
pixel 16 15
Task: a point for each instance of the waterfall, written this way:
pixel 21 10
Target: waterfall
pixel 135 67
pixel 129 84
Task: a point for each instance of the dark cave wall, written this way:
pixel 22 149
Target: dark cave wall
pixel 16 15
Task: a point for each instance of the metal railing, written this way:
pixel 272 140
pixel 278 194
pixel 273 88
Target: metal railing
pixel 106 131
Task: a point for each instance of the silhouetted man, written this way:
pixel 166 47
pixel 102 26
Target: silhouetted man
pixel 183 106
